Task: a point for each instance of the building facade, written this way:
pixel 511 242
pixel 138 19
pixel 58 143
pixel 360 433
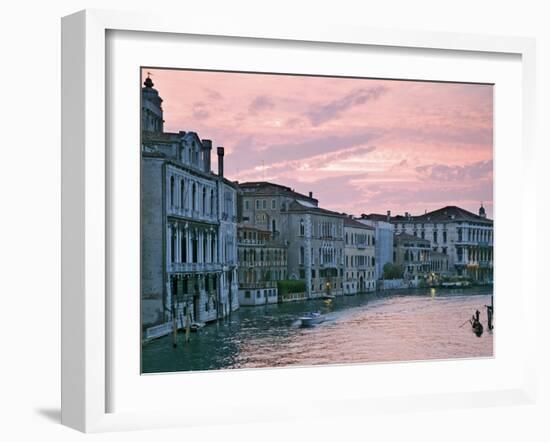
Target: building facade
pixel 359 255
pixel 188 226
pixel 466 238
pixel 413 254
pixel 315 248
pixel 383 238
pixel 261 263
pixel 313 237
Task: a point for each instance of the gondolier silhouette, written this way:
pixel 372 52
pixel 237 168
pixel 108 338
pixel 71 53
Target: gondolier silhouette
pixel 477 326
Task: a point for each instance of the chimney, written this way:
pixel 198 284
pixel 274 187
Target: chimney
pixel 388 216
pixel 221 152
pixel 207 149
pixel 311 194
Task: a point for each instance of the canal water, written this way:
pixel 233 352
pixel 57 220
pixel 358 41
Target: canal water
pixel 378 327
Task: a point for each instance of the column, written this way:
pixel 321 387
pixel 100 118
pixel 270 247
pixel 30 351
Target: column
pixel 178 243
pixel 201 244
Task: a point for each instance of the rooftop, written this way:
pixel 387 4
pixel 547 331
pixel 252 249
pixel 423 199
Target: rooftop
pixel 303 206
pixel 350 222
pixel 447 213
pixel 267 188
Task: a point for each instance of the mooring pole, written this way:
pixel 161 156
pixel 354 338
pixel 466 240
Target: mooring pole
pixel 174 326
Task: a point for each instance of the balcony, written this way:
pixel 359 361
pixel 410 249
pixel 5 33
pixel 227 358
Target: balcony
pixel 251 242
pixel 257 285
pixel 191 267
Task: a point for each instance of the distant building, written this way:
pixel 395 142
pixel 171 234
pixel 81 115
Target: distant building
pixel 188 226
pixel 359 267
pixel 439 265
pixel 413 254
pixel 383 237
pixel 313 236
pixel 315 248
pixel 261 264
pixel 466 238
pixel 261 204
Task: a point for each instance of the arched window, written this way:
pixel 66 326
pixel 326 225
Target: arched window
pixel 173 246
pixel 195 246
pixel 184 246
pixel 182 194
pixel 302 228
pixel 203 200
pixel 302 255
pixel 212 202
pixel 171 190
pixel 213 246
pixel 194 202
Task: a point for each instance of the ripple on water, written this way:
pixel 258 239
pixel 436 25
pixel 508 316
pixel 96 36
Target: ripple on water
pixel 358 329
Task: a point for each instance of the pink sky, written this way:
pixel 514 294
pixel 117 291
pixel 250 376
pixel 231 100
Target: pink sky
pixel 360 145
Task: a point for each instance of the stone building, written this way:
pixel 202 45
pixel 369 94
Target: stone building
pixel 315 247
pixel 313 236
pixel 261 205
pixel 383 237
pixel 359 255
pixel 414 255
pixel 466 238
pixel 188 226
pixel 261 262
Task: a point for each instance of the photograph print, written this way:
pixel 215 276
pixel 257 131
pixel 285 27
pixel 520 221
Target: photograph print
pixel 304 220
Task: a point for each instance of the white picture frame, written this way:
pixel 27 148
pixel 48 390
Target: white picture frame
pixel 86 353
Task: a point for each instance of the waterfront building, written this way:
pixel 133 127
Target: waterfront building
pixel 312 235
pixel 359 255
pixel 188 226
pixel 261 204
pixel 413 254
pixel 383 237
pixel 466 238
pixel 261 263
pixel 315 248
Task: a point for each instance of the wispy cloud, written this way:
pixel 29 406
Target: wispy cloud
pixel 323 113
pixel 433 140
pixel 443 172
pixel 260 103
pixel 200 111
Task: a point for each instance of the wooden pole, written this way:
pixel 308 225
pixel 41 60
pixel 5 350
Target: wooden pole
pixel 174 327
pixel 187 325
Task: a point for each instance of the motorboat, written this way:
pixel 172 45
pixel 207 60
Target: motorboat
pixel 310 319
pixel 196 326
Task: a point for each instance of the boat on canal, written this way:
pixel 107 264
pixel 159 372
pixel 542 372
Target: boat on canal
pixel 310 319
pixel 196 326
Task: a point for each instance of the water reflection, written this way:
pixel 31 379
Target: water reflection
pixel 418 325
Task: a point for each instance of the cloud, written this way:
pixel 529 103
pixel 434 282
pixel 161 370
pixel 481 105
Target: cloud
pixel 200 111
pixel 321 114
pixel 442 172
pixel 260 103
pixel 213 94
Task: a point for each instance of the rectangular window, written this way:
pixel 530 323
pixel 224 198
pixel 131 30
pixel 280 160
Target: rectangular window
pixel 264 204
pixel 257 204
pixel 247 205
pixel 273 204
